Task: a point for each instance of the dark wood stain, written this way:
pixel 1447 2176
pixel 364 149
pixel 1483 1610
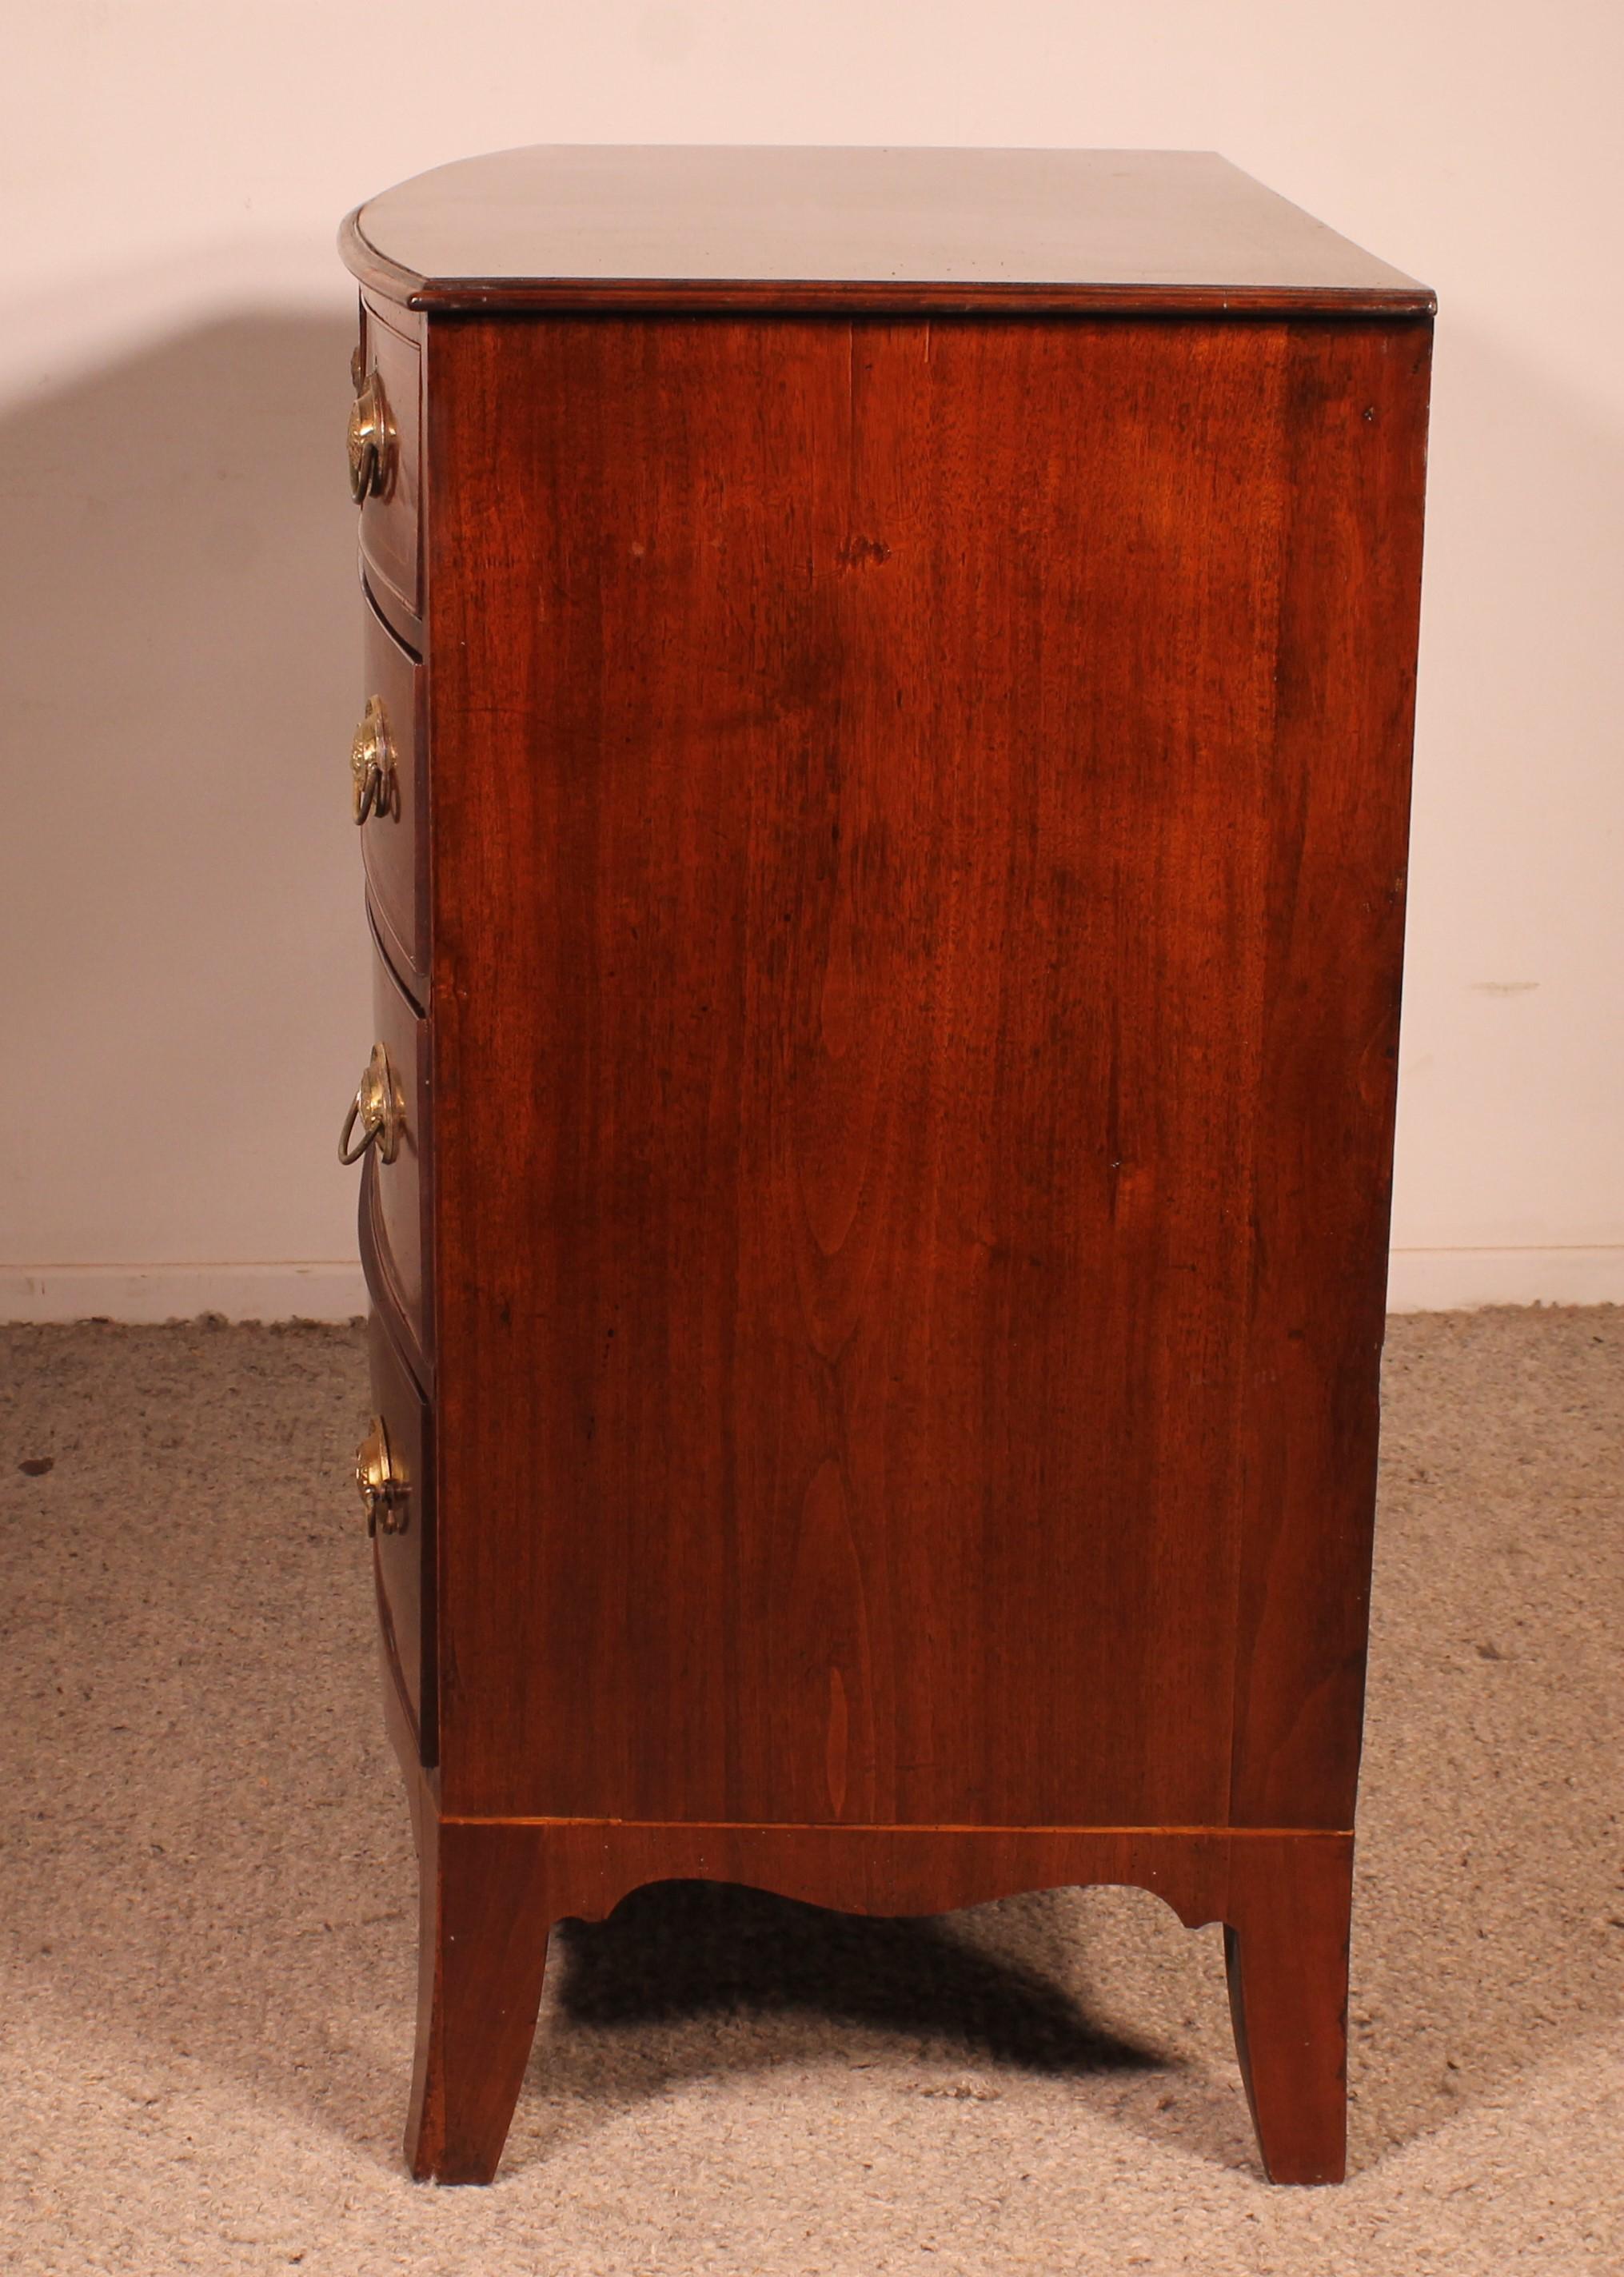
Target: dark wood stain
pixel 906 956
pixel 915 846
pixel 390 531
pixel 403 1562
pixel 400 1192
pixel 394 836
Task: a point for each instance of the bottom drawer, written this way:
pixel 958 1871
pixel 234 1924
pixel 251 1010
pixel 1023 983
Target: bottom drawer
pixel 394 1470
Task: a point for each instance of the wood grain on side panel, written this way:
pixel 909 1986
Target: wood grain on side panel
pixel 854 795
pixel 1355 417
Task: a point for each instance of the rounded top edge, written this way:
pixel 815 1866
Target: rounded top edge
pixel 727 225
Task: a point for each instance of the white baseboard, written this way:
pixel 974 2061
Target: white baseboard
pixel 1458 1280
pixel 1420 1281
pixel 325 1290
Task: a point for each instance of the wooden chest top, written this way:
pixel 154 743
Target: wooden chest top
pixel 949 229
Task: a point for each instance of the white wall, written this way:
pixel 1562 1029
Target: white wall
pixel 180 936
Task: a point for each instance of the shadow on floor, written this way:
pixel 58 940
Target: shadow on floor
pixel 680 1949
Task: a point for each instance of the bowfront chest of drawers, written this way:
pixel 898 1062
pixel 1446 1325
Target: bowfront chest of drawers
pixel 882 790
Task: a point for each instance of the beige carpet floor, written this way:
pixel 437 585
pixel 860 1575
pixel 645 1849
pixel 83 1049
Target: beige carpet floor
pixel 207 1894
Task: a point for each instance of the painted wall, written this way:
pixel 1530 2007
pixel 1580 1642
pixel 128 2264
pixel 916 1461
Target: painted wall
pixel 183 1003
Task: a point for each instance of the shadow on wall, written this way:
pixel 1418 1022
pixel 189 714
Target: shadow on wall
pixel 178 890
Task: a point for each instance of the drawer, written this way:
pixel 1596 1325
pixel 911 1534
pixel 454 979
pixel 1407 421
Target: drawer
pixel 385 437
pixel 394 1470
pixel 389 783
pixel 387 1129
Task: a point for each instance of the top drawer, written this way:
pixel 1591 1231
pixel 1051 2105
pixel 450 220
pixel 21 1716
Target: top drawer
pixel 385 432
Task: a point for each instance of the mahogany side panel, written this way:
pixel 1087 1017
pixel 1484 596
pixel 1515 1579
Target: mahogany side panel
pixel 1333 911
pixel 866 829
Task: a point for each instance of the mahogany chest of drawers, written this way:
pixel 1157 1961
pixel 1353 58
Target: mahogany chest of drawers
pixel 883 795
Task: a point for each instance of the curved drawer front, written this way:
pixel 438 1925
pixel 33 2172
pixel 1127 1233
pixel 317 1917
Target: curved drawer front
pixel 395 1193
pixel 400 1438
pixel 389 512
pixel 394 825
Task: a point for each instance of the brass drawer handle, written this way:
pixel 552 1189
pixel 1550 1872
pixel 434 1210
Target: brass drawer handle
pixel 371 441
pixel 373 785
pixel 380 1110
pixel 384 1489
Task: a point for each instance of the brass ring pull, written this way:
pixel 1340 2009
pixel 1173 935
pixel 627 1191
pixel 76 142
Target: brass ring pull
pixel 373 786
pixel 380 1110
pixel 371 441
pixel 383 1486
